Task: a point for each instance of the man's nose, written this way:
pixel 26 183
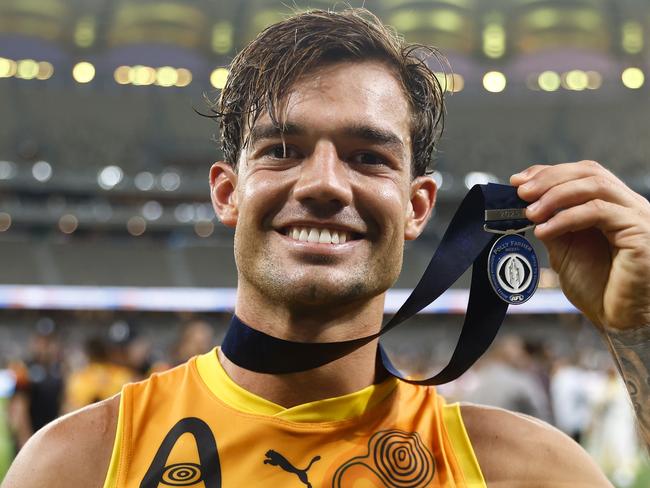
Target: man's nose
pixel 324 179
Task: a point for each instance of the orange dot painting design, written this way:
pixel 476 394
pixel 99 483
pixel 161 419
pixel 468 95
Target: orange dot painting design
pixel 395 458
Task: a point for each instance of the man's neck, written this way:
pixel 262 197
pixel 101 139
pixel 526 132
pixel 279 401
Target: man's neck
pixel 348 374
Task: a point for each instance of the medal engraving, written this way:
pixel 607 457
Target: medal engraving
pixel 513 269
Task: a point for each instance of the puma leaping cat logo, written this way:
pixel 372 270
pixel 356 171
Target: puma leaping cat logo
pixel 274 458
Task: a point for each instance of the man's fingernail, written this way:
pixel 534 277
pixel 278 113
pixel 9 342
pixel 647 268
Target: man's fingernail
pixel 526 186
pixel 533 206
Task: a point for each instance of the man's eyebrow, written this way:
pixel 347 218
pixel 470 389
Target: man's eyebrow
pixel 368 133
pixel 270 131
pixel 375 135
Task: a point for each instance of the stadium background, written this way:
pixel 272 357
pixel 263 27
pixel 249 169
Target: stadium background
pixel 109 249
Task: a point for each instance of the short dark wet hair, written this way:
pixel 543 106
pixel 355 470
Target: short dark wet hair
pixel 263 73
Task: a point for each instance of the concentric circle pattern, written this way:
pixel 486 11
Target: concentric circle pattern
pixel 402 460
pixel 395 458
pixel 182 474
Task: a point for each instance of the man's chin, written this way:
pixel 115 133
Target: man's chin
pixel 322 294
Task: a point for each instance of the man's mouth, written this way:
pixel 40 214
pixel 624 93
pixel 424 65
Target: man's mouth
pixel 321 235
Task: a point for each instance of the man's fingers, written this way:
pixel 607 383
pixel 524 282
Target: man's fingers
pixel 578 192
pixel 551 176
pixel 527 174
pixel 605 216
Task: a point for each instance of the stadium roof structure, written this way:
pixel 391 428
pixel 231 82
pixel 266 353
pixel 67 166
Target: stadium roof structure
pixel 99 138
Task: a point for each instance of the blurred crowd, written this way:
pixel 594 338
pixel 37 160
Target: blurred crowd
pixel 580 394
pixel 53 378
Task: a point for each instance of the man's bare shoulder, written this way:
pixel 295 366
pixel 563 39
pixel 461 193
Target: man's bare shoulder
pixel 72 452
pixel 516 450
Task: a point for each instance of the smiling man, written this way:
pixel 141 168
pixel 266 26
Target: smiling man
pixel 328 122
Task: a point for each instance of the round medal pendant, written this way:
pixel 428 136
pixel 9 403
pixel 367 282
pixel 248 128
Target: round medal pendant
pixel 513 269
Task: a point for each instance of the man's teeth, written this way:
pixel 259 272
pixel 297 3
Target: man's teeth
pixel 322 236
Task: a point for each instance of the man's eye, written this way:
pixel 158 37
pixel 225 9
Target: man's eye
pixel 368 158
pixel 282 152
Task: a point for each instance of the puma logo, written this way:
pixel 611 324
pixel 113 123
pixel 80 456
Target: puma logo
pixel 274 458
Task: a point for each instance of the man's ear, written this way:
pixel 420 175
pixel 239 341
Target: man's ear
pixel 223 183
pixel 422 201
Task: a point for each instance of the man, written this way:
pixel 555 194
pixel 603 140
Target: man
pixel 328 123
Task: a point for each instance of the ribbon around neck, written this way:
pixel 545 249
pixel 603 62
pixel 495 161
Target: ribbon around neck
pixel 465 243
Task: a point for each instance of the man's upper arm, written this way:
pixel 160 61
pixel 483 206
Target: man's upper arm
pixel 515 450
pixel 72 452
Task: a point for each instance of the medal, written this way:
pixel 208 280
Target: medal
pixel 513 269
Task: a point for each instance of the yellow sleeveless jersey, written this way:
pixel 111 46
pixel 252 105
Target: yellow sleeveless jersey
pixel 192 426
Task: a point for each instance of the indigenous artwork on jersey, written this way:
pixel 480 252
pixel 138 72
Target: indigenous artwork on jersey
pixel 393 458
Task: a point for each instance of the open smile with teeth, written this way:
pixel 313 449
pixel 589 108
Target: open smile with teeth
pixel 321 236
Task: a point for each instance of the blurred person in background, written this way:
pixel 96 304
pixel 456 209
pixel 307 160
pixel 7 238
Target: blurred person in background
pixel 196 337
pixel 541 365
pixel 40 383
pixel 505 378
pixel 610 435
pixel 570 393
pixel 7 443
pixel 127 348
pixel 102 377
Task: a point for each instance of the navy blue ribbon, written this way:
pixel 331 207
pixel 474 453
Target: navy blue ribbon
pixel 464 244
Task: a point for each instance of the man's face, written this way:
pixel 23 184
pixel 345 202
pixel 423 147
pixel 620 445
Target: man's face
pixel 323 208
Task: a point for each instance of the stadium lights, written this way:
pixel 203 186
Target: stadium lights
pixel 122 74
pixel 184 77
pixel 45 70
pixel 140 75
pixel 450 82
pixel 68 223
pixel 632 37
pixel 549 81
pixel 576 80
pixel 184 212
pixel 479 178
pixel 7 170
pixel 222 37
pixel 42 171
pixel 633 78
pixel 26 69
pixel 166 76
pixel 109 177
pixel 204 228
pixel 594 80
pixel 5 221
pixel 144 181
pixel 84 32
pixel 494 40
pixel 152 210
pixel 438 178
pixel 219 77
pixel 83 72
pixel 8 68
pixel 170 180
pixel 494 81
pixel 136 226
